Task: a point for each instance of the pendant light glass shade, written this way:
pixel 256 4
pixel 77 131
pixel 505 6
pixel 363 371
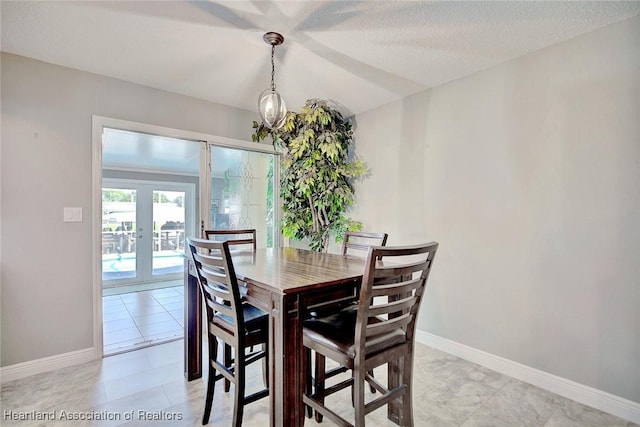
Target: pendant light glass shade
pixel 273 110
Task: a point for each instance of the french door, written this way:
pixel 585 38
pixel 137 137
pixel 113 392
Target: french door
pixel 143 230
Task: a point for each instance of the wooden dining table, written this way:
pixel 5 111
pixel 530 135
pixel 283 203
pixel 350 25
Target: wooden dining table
pixel 286 283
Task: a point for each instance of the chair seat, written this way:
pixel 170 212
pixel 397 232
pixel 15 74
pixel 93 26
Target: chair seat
pixel 329 309
pixel 254 319
pixel 337 332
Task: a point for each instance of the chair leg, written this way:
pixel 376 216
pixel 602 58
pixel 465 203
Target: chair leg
pixel 265 365
pixel 227 363
pixel 211 385
pixel 238 404
pixel 319 382
pixel 372 388
pixel 358 397
pixel 211 382
pixel 407 399
pixel 308 386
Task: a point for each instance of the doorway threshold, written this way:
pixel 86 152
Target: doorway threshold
pixel 127 289
pixel 140 346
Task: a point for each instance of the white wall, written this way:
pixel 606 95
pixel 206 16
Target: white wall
pixel 46 273
pixel 528 174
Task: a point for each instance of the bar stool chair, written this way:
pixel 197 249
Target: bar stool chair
pixel 381 331
pixel 354 243
pixel 237 325
pixel 238 239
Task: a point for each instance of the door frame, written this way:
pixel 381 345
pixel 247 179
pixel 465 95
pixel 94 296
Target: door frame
pixel 98 125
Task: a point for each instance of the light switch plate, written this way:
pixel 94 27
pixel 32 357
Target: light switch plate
pixel 72 215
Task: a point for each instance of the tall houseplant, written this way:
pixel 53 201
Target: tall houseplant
pixel 317 175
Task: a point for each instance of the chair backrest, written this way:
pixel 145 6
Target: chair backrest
pixel 361 241
pixel 219 287
pixel 399 274
pixel 233 237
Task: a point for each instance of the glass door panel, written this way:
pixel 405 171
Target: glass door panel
pixel 168 232
pixel 242 192
pixel 119 208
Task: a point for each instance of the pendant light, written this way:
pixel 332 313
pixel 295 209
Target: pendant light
pixel 271 106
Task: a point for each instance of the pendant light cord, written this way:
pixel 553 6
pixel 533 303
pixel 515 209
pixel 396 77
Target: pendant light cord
pixel 273 68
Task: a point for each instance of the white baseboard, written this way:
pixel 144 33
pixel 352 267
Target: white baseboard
pixel 38 366
pixel 586 395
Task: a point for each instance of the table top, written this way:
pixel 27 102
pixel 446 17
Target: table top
pixel 291 270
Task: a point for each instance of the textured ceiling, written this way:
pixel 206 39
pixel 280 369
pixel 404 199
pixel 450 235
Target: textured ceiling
pixel 359 55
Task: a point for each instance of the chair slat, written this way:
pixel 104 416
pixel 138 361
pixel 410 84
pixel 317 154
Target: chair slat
pixel 361 241
pixel 215 278
pixel 216 296
pixel 237 237
pixel 388 325
pixel 400 270
pixel 359 246
pixel 239 241
pixel 209 260
pixel 396 288
pixel 220 307
pixel 392 307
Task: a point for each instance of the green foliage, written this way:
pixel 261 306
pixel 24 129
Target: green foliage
pixel 117 196
pixel 160 197
pixel 316 182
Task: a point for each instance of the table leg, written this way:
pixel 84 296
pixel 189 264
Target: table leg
pixel 287 376
pixel 192 325
pixel 275 364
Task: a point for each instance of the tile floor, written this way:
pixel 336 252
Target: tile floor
pixel 134 387
pixel 139 319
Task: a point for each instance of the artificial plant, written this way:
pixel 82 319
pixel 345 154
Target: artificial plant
pixel 317 174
